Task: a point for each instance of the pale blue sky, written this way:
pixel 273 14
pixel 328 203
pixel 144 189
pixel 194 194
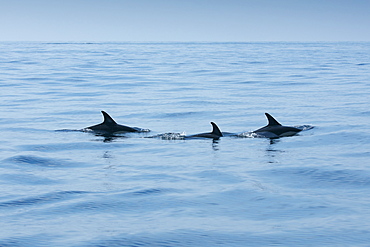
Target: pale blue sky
pixel 185 20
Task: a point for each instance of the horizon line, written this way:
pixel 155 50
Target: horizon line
pixel 151 42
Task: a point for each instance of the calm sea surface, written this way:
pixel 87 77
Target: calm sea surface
pixel 72 188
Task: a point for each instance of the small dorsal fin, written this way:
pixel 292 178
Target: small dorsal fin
pixel 108 119
pixel 272 121
pixel 216 131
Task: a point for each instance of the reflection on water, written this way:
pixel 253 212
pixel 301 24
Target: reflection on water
pixel 272 150
pixel 215 144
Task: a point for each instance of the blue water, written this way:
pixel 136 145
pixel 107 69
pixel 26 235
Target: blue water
pixel 71 188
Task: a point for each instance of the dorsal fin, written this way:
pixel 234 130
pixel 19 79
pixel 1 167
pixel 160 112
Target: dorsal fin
pixel 272 121
pixel 216 131
pixel 107 119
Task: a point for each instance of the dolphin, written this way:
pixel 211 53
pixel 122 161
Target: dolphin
pixel 215 134
pixel 275 130
pixel 109 126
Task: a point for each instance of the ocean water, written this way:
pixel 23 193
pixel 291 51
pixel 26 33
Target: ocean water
pixel 61 187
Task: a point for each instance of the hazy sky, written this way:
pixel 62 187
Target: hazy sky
pixel 184 20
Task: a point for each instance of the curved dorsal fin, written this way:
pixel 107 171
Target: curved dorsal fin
pixel 108 119
pixel 216 131
pixel 272 121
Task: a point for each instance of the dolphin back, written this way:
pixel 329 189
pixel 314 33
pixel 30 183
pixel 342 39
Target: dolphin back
pixel 110 126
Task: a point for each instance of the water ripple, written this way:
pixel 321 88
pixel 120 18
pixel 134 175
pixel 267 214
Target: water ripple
pixel 41 199
pixel 39 161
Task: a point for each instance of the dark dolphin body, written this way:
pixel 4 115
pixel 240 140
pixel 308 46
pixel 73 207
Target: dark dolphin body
pixel 215 134
pixel 109 126
pixel 275 130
